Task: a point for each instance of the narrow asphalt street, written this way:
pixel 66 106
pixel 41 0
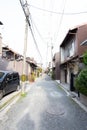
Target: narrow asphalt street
pixel 45 107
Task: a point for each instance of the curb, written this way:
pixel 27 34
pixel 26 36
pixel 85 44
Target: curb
pixel 73 98
pixel 4 107
pixel 6 100
pixel 5 104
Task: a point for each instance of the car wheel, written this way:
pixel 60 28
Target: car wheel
pixel 1 94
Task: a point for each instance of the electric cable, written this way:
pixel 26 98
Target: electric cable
pixel 61 19
pixel 27 18
pixel 54 12
pixel 35 42
pixel 32 21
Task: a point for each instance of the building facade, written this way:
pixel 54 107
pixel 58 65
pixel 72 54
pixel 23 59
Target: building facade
pixel 56 66
pixel 10 60
pixel 71 53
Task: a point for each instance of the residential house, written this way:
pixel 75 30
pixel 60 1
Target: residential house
pixel 32 63
pixel 56 66
pixel 71 54
pixel 11 60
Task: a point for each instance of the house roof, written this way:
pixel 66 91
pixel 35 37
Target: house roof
pixel 70 33
pixel 72 59
pixel 31 61
pixel 11 52
pixel 18 57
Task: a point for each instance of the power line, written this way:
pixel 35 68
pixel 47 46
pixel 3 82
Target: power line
pixel 27 18
pixel 40 37
pixel 61 19
pixel 54 12
pixel 51 3
pixel 32 21
pixel 35 42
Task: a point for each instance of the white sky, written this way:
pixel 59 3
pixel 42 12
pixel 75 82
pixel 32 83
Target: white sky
pixel 52 27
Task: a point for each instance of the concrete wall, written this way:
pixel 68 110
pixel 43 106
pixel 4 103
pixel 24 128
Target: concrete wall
pixel 14 65
pixel 57 66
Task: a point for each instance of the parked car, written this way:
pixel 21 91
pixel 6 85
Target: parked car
pixel 9 82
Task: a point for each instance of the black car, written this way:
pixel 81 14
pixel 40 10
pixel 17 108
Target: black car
pixel 9 82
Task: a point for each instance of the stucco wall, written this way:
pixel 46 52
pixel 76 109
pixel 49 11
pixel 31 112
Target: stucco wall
pixel 14 65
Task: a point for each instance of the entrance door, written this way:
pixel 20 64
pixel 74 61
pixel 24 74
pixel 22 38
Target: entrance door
pixel 72 88
pixel 65 76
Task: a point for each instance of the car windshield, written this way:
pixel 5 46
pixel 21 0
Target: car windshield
pixel 1 74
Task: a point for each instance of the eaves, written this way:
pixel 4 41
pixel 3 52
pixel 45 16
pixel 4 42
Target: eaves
pixel 70 33
pixel 72 59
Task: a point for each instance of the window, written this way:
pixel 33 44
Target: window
pixel 70 49
pixel 15 76
pixel 1 74
pixel 9 77
pixel 68 52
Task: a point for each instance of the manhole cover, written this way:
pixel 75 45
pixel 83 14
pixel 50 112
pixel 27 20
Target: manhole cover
pixel 59 111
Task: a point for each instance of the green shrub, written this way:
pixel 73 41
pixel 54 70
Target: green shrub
pixel 85 58
pixel 81 82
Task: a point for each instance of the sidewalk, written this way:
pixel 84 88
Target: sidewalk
pixel 10 98
pixel 66 88
pixel 72 94
pixel 7 101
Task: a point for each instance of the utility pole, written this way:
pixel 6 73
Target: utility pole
pixel 24 54
pixel 25 8
pixel 26 11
